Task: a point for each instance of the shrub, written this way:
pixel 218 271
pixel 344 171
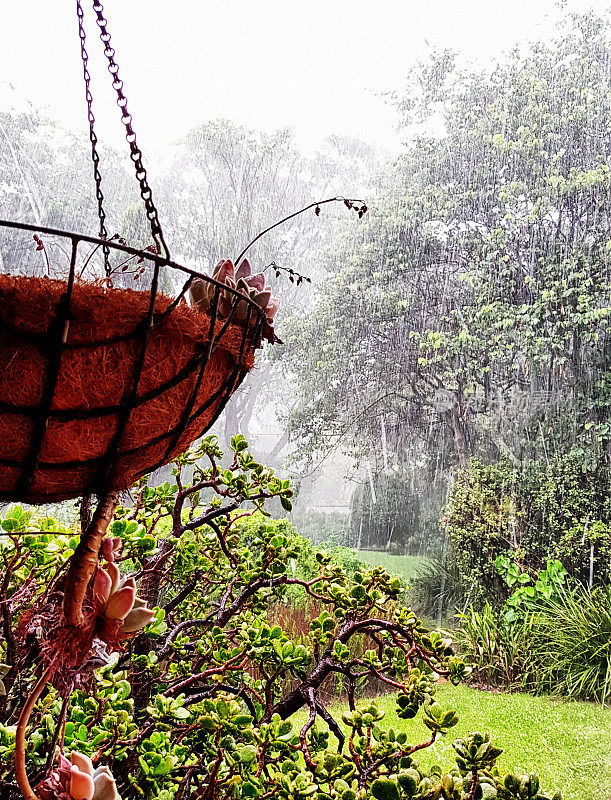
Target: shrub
pixel 497 650
pixel 547 637
pixel 557 510
pixel 201 703
pixel 438 590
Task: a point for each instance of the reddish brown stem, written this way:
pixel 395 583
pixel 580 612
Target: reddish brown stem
pixel 348 201
pixel 84 560
pixel 20 770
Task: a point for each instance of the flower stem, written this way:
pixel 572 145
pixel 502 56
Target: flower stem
pixel 290 216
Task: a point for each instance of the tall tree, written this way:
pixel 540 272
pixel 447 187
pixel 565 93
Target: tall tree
pixel 471 313
pixel 224 185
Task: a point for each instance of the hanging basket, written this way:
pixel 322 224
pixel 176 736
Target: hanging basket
pixel 99 385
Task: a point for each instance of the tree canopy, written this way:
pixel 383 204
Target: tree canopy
pixel 471 312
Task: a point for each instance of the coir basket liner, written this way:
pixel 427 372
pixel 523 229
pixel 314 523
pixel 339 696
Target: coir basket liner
pixel 89 399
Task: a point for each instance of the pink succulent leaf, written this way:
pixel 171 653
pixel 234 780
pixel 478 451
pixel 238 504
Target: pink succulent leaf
pixel 110 548
pixel 262 298
pixel 137 619
pixel 81 785
pixel 120 603
pixel 242 286
pixel 102 584
pixel 272 307
pixel 232 299
pixel 244 270
pixel 200 294
pixel 241 312
pixel 105 787
pixel 218 267
pixel 82 762
pixel 101 771
pixel 226 273
pixel 115 576
pixel 63 768
pixel 106 550
pixel 224 307
pixel 256 281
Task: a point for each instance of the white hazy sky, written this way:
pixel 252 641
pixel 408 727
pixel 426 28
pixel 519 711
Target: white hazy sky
pixel 317 66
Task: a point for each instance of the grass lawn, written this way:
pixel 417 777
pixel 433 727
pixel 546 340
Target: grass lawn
pixel 406 567
pixel 567 744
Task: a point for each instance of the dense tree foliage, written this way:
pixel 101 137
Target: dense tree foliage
pixel 46 179
pixel 472 314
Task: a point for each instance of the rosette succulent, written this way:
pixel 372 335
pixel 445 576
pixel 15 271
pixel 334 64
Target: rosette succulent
pixel 76 779
pixel 119 599
pixel 244 281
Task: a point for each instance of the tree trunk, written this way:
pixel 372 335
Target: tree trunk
pixel 460 437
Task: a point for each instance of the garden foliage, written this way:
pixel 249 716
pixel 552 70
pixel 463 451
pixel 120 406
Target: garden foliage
pixel 559 509
pixel 215 700
pixel 550 636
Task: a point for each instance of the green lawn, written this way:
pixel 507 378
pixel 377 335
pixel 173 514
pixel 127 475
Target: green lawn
pixel 406 567
pixel 567 744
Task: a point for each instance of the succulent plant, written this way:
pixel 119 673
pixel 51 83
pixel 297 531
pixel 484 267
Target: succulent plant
pixel 76 779
pixel 244 281
pixel 119 599
pixel 476 752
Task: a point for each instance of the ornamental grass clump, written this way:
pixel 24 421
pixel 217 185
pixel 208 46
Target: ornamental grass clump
pixel 571 643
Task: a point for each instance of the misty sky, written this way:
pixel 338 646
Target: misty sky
pixel 316 66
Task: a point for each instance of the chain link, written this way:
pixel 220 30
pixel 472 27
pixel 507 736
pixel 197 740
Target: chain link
pixel 93 139
pixel 135 152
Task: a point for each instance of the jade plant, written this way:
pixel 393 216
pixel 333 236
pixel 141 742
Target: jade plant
pixel 189 688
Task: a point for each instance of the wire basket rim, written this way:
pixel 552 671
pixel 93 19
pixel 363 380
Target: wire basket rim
pixel 160 260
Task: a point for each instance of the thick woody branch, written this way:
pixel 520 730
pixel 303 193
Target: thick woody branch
pixel 310 696
pixel 85 559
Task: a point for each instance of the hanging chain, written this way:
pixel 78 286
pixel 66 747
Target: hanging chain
pixel 94 140
pixel 135 153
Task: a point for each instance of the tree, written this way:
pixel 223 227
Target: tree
pixel 227 183
pixel 533 515
pixel 472 311
pixel 187 689
pixel 46 179
pixel 390 512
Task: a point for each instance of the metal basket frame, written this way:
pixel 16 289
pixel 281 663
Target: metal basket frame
pixel 55 343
